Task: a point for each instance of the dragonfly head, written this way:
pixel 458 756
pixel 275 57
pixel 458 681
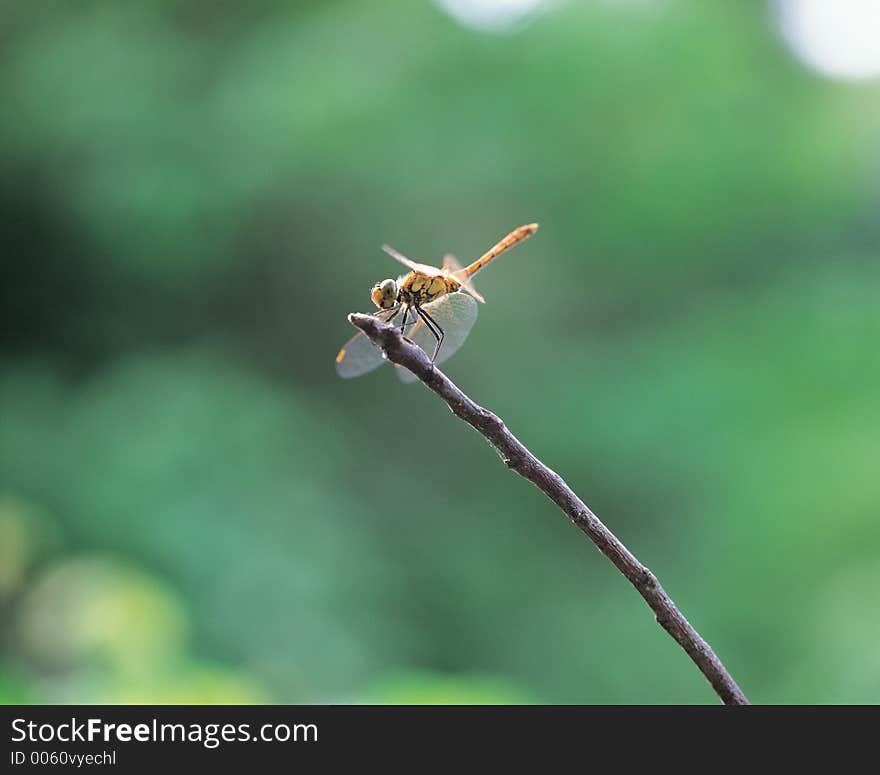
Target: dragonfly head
pixel 385 294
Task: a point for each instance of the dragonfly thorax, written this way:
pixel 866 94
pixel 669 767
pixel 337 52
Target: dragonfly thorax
pixel 417 288
pixel 384 294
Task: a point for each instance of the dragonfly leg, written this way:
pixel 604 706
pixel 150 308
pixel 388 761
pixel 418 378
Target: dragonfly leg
pixel 434 328
pixel 406 312
pixel 390 314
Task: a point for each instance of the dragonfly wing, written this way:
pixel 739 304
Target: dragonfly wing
pixel 431 271
pixel 359 355
pixel 451 266
pixel 456 314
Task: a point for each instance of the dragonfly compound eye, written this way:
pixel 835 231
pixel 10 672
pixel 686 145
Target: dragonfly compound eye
pixel 385 294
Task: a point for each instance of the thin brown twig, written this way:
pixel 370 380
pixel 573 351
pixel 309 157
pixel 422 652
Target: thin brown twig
pixel 517 457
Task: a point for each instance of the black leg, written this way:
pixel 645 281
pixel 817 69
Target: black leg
pixel 405 317
pixel 434 328
pixel 390 314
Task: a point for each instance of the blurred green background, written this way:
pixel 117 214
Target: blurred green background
pixel 194 508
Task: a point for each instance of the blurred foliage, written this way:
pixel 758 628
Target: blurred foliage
pixel 193 508
pixel 414 688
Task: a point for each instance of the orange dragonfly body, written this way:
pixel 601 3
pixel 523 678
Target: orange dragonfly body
pixel 440 301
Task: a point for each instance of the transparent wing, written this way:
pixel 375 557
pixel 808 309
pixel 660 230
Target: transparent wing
pixel 431 271
pixel 451 265
pixel 359 355
pixel 456 314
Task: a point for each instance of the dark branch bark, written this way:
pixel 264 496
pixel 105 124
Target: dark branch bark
pixel 518 458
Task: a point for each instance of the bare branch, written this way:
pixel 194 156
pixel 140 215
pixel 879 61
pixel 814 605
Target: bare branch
pixel 518 458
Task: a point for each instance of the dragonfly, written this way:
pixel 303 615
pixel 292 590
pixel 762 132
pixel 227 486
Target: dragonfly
pixel 437 304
